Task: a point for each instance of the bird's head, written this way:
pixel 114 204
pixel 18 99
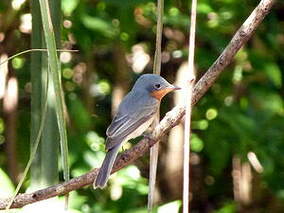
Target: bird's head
pixel 155 85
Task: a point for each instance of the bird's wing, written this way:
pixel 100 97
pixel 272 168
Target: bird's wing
pixel 132 113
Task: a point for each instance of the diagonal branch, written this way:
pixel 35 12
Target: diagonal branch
pixel 240 38
pixel 171 119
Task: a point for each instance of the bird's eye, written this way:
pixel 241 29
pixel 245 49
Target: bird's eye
pixel 157 86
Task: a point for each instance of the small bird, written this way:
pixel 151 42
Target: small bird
pixel 135 114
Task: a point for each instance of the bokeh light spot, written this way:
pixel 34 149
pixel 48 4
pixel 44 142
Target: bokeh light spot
pixel 211 113
pixel 2 126
pixel 18 63
pixel 196 143
pixel 68 73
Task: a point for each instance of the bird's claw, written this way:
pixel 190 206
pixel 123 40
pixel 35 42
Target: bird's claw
pixel 148 136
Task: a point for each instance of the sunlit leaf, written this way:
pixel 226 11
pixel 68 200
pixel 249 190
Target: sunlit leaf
pixel 274 73
pixel 6 185
pixel 99 25
pixel 172 207
pixel 68 6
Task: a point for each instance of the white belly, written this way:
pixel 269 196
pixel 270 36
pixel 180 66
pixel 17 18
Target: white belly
pixel 140 129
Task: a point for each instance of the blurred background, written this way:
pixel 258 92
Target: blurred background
pixel 237 161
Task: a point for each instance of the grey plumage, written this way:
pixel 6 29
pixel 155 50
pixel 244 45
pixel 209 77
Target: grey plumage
pixel 135 114
pixel 106 167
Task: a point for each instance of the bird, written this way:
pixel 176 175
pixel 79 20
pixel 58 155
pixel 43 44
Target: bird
pixel 135 114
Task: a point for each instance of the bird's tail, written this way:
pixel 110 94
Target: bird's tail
pixel 106 167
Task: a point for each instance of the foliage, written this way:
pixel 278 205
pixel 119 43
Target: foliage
pixel 243 112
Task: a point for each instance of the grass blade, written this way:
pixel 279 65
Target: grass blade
pixel 56 76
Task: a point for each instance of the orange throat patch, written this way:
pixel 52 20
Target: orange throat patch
pixel 159 94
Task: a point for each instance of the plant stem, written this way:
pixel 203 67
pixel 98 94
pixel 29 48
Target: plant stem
pixel 190 77
pixel 154 151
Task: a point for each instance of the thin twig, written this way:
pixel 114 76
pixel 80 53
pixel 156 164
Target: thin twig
pixel 154 151
pixel 34 149
pixel 171 119
pixel 33 50
pixel 240 38
pixel 190 78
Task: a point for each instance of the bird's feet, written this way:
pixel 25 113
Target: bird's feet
pixel 149 136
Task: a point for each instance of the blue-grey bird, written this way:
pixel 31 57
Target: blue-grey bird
pixel 135 114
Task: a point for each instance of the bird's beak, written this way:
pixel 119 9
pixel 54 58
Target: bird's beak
pixel 172 87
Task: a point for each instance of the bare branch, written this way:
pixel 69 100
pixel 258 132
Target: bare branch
pixel 240 38
pixel 171 119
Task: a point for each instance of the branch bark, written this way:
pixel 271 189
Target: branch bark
pixel 171 119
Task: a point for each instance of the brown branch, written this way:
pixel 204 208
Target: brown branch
pixel 171 119
pixel 240 38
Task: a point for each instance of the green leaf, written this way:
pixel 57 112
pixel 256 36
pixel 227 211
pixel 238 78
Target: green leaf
pixel 274 73
pixel 172 207
pixel 99 25
pixel 68 6
pixel 227 208
pixel 7 187
pixel 54 68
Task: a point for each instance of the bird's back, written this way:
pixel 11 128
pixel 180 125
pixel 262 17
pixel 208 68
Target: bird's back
pixel 136 109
